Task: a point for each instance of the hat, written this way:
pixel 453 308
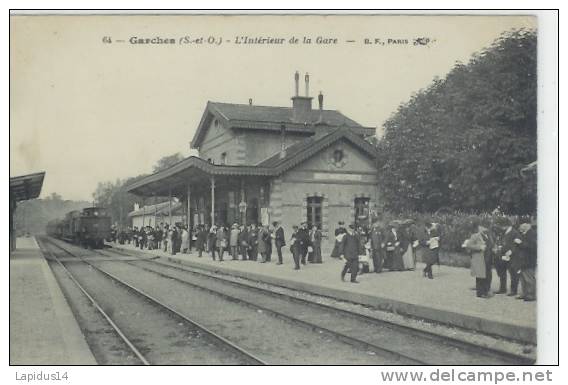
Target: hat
pixel 341 223
pixel 502 221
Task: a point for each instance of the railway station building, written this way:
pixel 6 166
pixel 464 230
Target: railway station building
pixel 260 164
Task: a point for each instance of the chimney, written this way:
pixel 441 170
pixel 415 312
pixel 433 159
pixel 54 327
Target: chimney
pixel 320 101
pixel 282 141
pixel 297 80
pixel 301 105
pixel 250 101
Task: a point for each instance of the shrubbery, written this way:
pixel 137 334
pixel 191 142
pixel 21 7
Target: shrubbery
pixel 462 142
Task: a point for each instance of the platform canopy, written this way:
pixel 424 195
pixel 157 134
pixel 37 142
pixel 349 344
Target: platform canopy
pixel 26 187
pixel 198 172
pixel 192 170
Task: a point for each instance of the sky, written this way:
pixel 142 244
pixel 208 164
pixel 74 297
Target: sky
pixel 86 111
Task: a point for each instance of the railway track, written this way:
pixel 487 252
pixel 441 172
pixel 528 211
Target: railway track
pixel 244 357
pixel 405 339
pixel 96 305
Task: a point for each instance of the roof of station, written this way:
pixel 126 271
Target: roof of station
pixel 270 118
pixel 26 187
pixel 195 169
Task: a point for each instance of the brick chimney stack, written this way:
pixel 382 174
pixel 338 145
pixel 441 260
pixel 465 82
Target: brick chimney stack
pixel 301 105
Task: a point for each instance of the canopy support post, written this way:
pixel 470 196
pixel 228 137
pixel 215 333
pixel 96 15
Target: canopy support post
pixel 212 201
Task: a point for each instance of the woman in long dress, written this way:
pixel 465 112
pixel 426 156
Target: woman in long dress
pixel 406 242
pixel 393 246
pixel 339 233
pixel 184 240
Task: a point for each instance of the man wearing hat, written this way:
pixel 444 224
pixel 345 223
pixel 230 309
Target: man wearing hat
pixel 234 241
pixel 350 248
pixel 294 247
pixel 253 242
pixel 508 256
pixel 303 240
pixel 528 251
pixel 376 247
pixel 243 242
pixel 279 240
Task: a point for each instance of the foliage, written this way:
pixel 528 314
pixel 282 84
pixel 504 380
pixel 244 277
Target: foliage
pixel 31 216
pixel 460 143
pixel 118 202
pixel 167 161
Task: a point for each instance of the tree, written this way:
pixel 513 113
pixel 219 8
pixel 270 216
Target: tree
pixel 167 161
pixel 118 202
pixel 461 142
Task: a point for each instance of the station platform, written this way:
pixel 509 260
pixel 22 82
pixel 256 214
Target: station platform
pixel 448 298
pixel 43 330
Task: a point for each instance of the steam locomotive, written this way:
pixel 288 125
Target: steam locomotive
pixel 88 227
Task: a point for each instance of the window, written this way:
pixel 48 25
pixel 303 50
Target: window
pixel 314 211
pixel 361 211
pixel 224 158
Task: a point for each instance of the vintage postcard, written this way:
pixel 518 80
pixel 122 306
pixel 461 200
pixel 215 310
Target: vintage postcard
pixel 228 189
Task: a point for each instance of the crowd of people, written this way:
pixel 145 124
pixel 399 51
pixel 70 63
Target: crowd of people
pixel 394 246
pixel 173 239
pixel 251 242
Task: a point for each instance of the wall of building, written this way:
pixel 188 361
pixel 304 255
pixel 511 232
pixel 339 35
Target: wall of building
pixel 262 145
pixel 338 187
pixel 219 140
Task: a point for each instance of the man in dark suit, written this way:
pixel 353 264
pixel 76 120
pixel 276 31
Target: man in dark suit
pixel 243 242
pixel 294 248
pixel 509 252
pixel 253 242
pixel 201 240
pixel 279 240
pixel 528 252
pixel 377 247
pixel 350 251
pixel 303 240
